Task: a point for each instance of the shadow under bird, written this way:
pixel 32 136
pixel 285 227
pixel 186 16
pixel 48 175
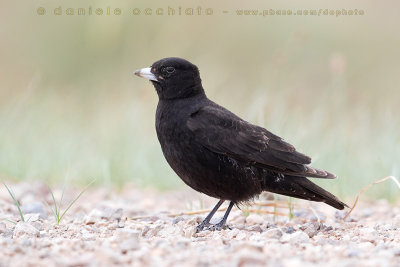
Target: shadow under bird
pixel 219 154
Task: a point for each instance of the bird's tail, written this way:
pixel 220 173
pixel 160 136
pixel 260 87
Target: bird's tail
pixel 301 187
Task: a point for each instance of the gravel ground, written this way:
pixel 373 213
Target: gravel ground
pixel 144 228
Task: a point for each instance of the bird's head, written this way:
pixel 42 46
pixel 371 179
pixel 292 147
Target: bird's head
pixel 173 78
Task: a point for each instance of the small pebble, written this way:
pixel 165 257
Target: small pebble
pixel 254 219
pixel 273 233
pixel 24 229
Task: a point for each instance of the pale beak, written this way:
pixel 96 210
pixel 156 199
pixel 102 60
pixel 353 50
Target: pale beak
pixel 146 73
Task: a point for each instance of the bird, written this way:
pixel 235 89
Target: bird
pixel 217 153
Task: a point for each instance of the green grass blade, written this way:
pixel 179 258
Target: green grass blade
pixel 73 202
pixel 8 220
pixel 52 210
pixel 16 202
pixel 61 199
pixel 291 215
pixel 56 210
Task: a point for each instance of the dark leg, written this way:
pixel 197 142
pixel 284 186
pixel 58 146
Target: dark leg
pixel 221 224
pixel 206 221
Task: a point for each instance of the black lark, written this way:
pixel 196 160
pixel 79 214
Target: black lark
pixel 219 154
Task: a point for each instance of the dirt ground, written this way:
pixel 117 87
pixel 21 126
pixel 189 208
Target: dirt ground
pixel 147 228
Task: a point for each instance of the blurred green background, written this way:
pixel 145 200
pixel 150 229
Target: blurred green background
pixel 72 110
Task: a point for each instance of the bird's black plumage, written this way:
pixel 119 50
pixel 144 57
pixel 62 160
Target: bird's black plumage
pixel 219 154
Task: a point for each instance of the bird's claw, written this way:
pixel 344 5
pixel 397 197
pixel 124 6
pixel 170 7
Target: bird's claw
pixel 217 227
pixel 212 227
pixel 202 226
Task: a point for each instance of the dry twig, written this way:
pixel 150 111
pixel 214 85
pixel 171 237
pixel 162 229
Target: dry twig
pixel 367 187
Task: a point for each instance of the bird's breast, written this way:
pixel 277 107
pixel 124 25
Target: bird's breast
pixel 171 129
pixel 205 171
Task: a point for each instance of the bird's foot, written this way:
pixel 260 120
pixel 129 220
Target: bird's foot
pixel 212 227
pixel 203 226
pixel 219 227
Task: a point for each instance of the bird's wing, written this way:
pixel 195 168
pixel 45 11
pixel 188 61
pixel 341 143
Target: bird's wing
pixel 224 133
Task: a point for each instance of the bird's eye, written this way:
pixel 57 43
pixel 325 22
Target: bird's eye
pixel 170 70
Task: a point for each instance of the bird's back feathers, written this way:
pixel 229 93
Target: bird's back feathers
pixel 222 132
